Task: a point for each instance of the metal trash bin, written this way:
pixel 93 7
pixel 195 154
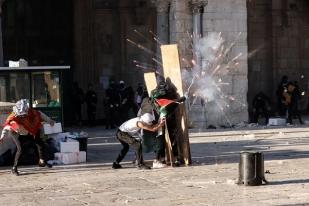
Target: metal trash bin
pixel 251 169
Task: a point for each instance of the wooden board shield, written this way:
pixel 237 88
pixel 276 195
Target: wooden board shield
pixel 150 81
pixel 172 71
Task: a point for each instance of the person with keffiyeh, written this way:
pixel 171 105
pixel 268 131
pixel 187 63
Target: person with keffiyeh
pixel 25 121
pixel 165 99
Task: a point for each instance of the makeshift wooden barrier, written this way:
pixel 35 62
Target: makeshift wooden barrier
pixel 150 81
pixel 172 71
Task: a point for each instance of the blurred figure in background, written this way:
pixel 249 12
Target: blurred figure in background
pixel 293 95
pixel 112 101
pixel 78 100
pixel 261 106
pixel 139 95
pixel 282 87
pixel 91 101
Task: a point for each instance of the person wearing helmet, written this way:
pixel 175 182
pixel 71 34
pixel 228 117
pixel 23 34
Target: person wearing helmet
pixel 25 121
pixel 128 135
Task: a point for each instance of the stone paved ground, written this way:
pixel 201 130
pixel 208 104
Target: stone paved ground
pixel 209 181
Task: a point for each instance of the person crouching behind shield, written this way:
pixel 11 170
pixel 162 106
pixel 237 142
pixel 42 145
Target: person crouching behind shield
pixel 24 121
pixel 128 135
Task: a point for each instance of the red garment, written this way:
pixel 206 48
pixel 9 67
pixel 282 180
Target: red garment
pixel 31 122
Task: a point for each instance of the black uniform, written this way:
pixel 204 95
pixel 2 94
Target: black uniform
pixel 165 91
pixel 112 105
pixel 91 101
pixel 78 100
pixel 292 105
pixel 261 106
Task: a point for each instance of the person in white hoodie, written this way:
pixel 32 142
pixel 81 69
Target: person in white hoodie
pixel 129 134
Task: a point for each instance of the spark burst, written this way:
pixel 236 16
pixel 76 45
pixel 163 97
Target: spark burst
pixel 205 72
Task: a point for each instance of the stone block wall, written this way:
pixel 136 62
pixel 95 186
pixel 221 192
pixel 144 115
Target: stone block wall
pixel 290 31
pixel 230 17
pixel 181 26
pixel 260 59
pixel 277 34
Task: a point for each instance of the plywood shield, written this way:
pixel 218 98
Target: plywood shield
pixel 172 72
pixel 150 81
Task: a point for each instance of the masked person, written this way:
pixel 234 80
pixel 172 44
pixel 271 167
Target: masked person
pixel 292 96
pixel 113 106
pixel 281 98
pixel 25 121
pixel 261 106
pixel 91 101
pixel 129 134
pixel 165 100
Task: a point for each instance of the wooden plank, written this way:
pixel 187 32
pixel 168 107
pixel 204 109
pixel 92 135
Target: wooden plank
pixel 171 66
pixel 150 81
pixel 169 149
pixel 172 72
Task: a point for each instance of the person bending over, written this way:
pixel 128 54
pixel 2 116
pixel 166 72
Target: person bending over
pixel 128 135
pixel 24 121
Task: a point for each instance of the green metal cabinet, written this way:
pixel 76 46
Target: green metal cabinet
pixel 42 85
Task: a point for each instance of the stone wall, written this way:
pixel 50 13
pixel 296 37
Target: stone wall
pixel 260 73
pixel 278 45
pixel 181 26
pixel 230 17
pixel 101 50
pixel 290 42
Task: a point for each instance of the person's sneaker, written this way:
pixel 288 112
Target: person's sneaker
pixel 157 165
pixel 15 171
pixel 49 165
pixel 42 164
pixel 116 165
pixel 176 163
pixel 45 164
pixel 143 167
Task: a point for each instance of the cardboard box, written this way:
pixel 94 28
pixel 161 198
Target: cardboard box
pixel 13 63
pixel 48 129
pixel 277 121
pixel 57 138
pixel 19 63
pixel 71 157
pixel 70 146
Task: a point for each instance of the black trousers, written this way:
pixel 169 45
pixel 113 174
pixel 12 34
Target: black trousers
pixel 293 112
pixel 112 117
pixel 91 113
pixel 173 132
pixel 160 147
pixel 260 112
pixel 37 141
pixel 127 140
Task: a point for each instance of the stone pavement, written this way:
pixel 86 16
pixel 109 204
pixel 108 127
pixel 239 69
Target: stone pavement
pixel 209 181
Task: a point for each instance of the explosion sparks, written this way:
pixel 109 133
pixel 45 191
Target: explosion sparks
pixel 205 76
